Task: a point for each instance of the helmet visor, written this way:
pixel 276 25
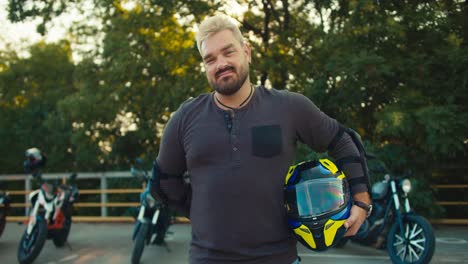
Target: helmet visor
pixel 321 196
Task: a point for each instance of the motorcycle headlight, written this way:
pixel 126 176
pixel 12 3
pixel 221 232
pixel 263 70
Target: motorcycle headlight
pixel 406 185
pixel 150 201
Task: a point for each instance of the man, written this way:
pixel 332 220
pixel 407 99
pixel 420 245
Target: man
pixel 237 144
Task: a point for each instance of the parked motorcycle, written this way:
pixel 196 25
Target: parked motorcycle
pixel 4 208
pixel 50 216
pixel 152 221
pixel 407 236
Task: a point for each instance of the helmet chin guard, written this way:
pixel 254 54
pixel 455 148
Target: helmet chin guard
pixel 317 201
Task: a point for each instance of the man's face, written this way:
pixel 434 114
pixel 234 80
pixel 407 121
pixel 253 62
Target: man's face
pixel 226 62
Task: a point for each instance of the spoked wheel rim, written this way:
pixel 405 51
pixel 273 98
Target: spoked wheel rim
pixel 410 244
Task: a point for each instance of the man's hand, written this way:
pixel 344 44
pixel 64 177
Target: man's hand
pixel 358 215
pixel 156 192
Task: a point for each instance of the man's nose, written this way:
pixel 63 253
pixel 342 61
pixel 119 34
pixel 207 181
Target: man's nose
pixel 222 63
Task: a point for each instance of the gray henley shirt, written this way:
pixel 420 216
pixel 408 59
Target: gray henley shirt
pixel 237 162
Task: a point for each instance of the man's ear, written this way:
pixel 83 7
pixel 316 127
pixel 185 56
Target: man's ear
pixel 248 53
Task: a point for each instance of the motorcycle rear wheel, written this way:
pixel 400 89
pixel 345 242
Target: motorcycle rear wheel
pixel 30 246
pixel 415 244
pixel 61 236
pixel 140 240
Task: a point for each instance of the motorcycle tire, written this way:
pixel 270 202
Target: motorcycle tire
pixel 341 243
pixel 418 244
pixel 140 241
pixel 161 227
pixel 30 246
pixel 61 236
pixel 2 221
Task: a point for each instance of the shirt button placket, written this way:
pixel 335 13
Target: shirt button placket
pixel 235 140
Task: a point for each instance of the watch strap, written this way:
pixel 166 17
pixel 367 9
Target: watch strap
pixel 366 207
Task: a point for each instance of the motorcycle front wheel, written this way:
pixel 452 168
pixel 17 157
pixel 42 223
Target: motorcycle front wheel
pixel 140 240
pixel 341 243
pixel 414 244
pixel 2 221
pixel 31 245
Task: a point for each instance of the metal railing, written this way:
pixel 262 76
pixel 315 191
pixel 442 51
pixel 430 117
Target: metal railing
pixel 103 191
pixel 462 221
pixel 104 203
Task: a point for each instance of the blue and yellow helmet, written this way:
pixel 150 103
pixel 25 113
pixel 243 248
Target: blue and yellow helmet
pixel 317 200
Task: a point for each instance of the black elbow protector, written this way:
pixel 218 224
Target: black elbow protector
pixel 361 159
pixel 154 185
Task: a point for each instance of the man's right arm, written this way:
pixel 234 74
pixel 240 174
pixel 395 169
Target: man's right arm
pixel 170 190
pixel 167 184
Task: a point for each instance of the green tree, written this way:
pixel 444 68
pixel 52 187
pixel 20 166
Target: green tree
pixel 30 89
pixel 396 71
pixel 149 64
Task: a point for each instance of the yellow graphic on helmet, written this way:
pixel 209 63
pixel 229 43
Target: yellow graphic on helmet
pixel 304 232
pixel 330 229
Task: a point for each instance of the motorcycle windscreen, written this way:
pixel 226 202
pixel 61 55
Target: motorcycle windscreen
pixel 320 196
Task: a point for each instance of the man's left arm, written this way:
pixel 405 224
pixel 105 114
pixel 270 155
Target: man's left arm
pixel 351 161
pixel 322 133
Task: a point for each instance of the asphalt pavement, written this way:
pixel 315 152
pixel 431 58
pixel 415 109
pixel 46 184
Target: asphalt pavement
pixel 111 243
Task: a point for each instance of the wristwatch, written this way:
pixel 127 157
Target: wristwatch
pixel 367 207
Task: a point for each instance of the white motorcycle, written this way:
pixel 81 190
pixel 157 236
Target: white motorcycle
pixel 49 218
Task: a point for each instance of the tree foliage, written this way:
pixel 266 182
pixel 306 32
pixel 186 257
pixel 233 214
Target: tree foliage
pixel 396 71
pixel 29 93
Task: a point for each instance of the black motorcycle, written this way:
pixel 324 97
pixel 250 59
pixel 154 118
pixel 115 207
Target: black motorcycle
pixel 153 219
pixel 4 208
pixel 407 236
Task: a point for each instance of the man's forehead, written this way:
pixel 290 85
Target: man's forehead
pixel 219 41
pixel 223 48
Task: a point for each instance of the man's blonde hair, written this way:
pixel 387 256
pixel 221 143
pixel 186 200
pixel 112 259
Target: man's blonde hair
pixel 215 24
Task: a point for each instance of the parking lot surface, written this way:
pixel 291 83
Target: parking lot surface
pixel 111 243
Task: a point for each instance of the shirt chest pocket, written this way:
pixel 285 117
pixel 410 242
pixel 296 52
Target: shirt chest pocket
pixel 267 141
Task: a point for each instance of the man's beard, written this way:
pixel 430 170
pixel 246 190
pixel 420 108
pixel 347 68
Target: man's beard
pixel 234 84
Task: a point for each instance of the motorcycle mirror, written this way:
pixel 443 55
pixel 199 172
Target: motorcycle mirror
pixel 136 172
pixel 370 155
pixel 378 166
pixel 138 164
pixel 73 176
pixel 139 174
pixel 379 170
pixel 37 174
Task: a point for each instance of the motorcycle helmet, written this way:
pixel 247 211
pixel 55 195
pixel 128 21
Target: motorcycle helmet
pixel 317 201
pixel 34 159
